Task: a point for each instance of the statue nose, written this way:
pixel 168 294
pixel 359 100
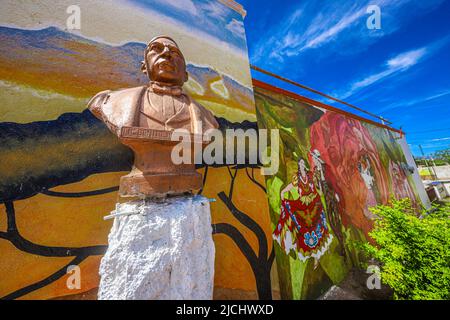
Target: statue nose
pixel 166 51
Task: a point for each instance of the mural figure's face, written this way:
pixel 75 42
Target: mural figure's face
pixel 397 173
pixel 396 170
pixel 165 63
pixel 301 165
pixel 364 162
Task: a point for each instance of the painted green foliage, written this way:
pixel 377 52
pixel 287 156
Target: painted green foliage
pixel 363 165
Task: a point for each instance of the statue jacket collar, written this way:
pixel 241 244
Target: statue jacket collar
pixel 120 108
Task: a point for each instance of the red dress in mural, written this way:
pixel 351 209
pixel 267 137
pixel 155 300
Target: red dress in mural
pixel 302 225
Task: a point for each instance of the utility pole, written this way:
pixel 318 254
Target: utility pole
pixel 426 162
pixel 434 167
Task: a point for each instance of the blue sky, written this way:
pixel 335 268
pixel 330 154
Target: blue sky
pixel 401 72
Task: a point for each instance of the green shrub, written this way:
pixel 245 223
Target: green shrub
pixel 414 252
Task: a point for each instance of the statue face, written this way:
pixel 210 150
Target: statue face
pixel 165 63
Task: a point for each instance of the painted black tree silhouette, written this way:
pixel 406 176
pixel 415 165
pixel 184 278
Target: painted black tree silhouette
pixel 260 262
pixel 13 235
pixel 80 127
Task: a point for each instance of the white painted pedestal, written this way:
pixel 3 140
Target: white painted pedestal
pixel 165 251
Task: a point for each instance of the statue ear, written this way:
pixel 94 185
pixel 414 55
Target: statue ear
pixel 186 76
pixel 143 67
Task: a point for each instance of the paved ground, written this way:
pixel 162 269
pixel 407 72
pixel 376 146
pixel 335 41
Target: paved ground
pixel 354 287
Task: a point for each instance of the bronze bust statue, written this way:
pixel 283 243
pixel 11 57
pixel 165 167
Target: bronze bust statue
pixel 144 117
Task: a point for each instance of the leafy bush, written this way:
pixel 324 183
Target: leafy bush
pixel 442 156
pixel 414 252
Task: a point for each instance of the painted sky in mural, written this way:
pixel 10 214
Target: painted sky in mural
pixel 114 43
pixel 207 17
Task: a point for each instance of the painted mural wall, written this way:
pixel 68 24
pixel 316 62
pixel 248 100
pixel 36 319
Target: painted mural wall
pixel 60 167
pixel 416 174
pixel 333 168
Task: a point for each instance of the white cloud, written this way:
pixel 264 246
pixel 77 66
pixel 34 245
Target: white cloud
pixel 435 145
pixel 338 25
pixel 271 45
pixel 413 102
pixel 236 27
pixel 332 32
pixel 399 63
pixel 406 60
pixel 306 28
pixel 441 139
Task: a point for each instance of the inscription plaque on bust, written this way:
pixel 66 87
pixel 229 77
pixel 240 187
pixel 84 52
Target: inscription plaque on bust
pixel 144 118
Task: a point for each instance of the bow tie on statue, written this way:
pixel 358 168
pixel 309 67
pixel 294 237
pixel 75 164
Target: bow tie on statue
pixel 170 90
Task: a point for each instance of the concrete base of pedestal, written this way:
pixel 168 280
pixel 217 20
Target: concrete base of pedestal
pixel 165 251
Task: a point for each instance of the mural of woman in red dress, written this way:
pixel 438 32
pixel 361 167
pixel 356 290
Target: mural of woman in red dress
pixel 302 225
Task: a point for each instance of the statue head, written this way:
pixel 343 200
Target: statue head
pixel 164 63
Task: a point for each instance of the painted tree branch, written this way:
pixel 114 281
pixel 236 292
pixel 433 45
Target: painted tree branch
pixel 239 240
pixel 252 178
pixel 13 235
pixel 79 194
pixel 271 256
pixel 44 282
pixel 262 266
pixel 248 222
pixel 233 178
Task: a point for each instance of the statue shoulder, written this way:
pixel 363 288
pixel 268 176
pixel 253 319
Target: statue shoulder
pixel 112 97
pixel 204 115
pixel 95 103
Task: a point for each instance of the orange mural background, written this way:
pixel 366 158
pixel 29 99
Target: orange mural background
pixel 79 222
pixel 54 154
